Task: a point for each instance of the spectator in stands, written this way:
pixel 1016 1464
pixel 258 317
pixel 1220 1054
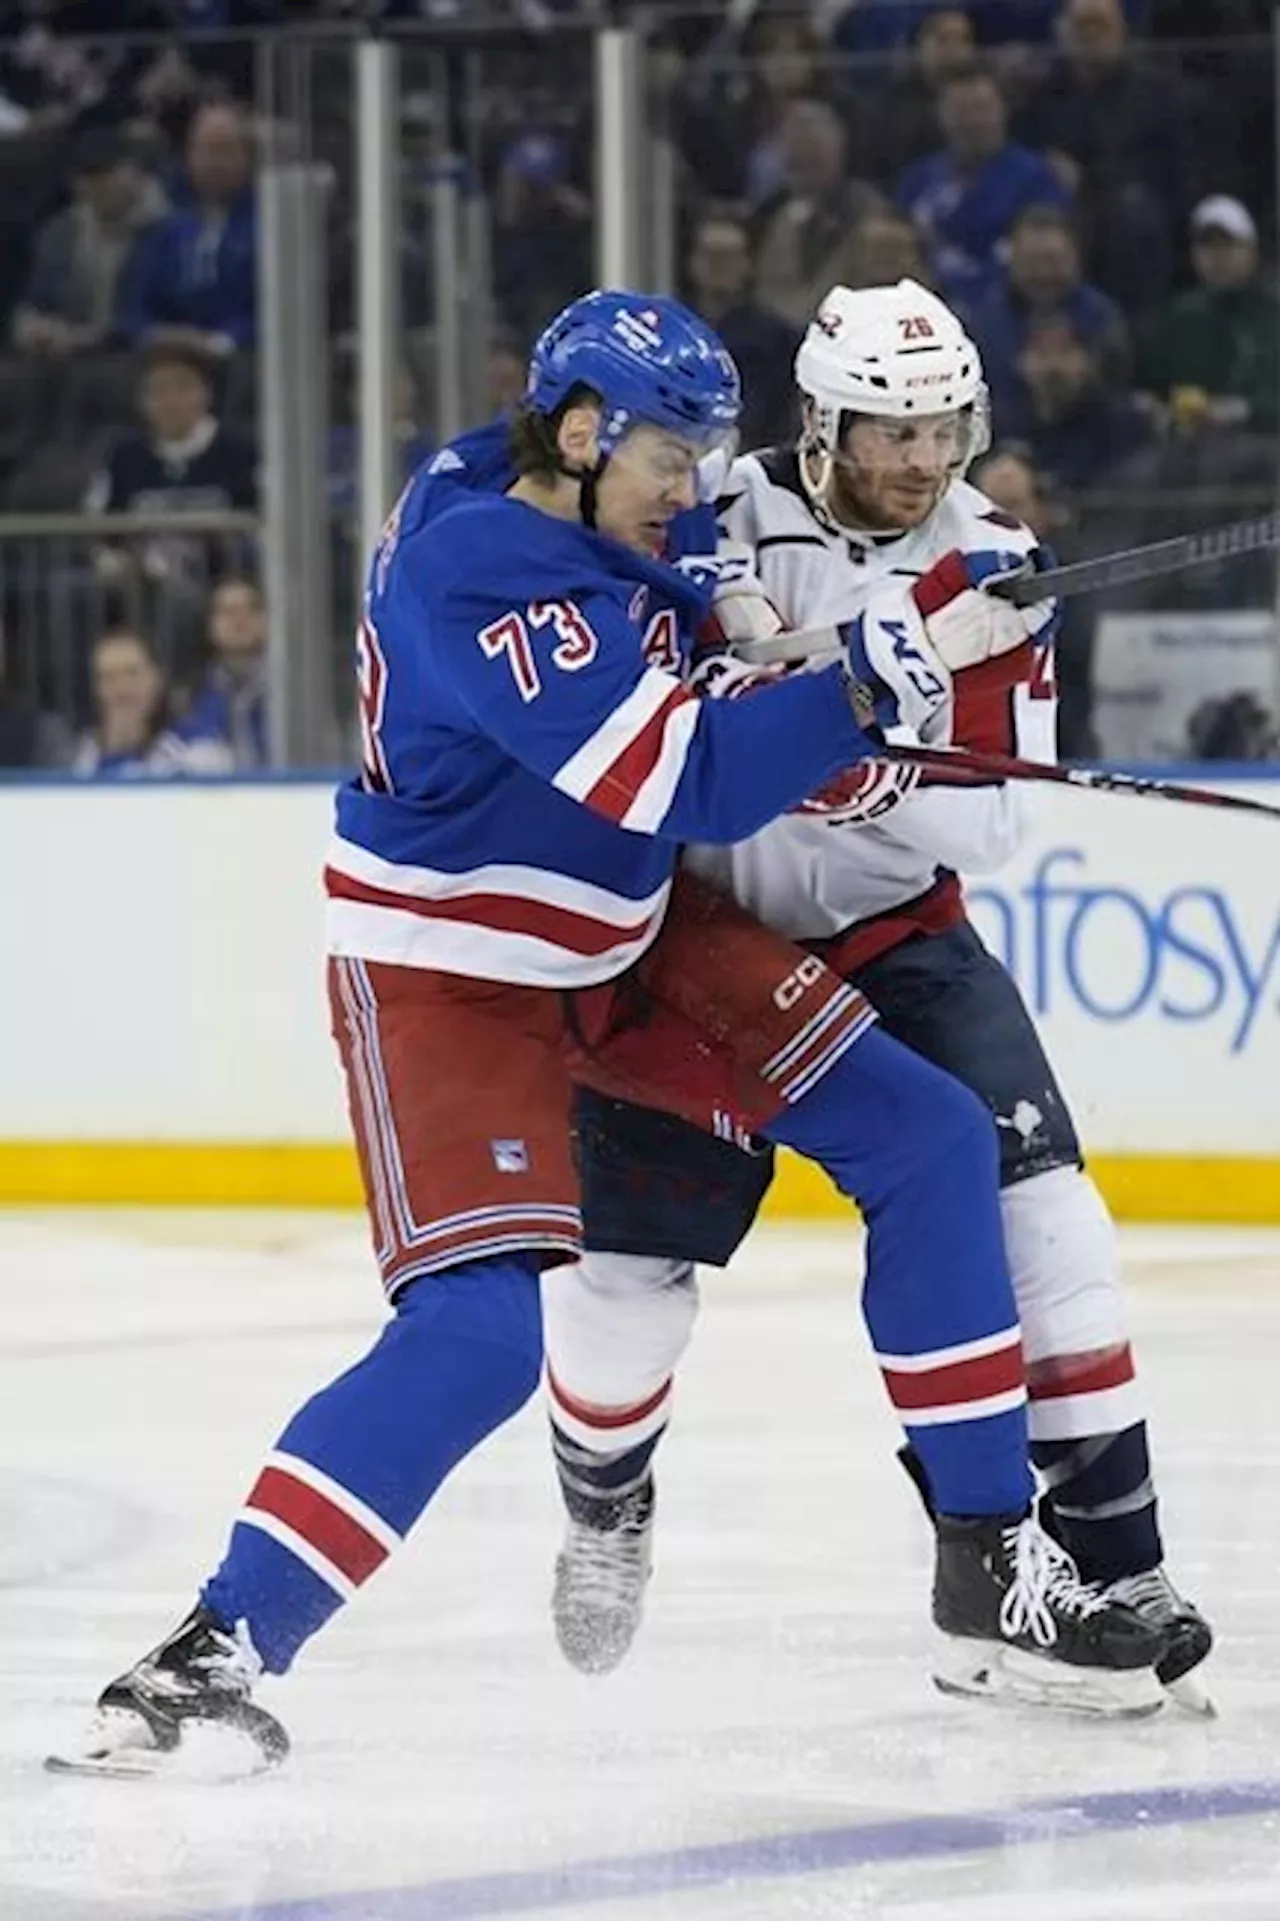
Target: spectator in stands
pixel 70 298
pixel 1014 485
pixel 805 232
pixel 885 248
pixel 29 738
pixel 183 460
pixel 183 457
pixel 1117 135
pixel 506 371
pixel 1074 426
pixel 965 198
pixel 192 279
pixel 1043 281
pixel 729 110
pixel 230 702
pixel 413 445
pixel 542 234
pixel 1213 355
pixel 874 26
pixel 903 117
pixel 132 734
pixel 719 275
pixel 1233 727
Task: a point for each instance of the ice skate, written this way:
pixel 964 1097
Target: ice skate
pixel 601 1575
pixel 200 1678
pixel 1188 1636
pixel 1021 1626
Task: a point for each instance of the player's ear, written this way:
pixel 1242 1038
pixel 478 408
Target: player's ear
pixel 576 435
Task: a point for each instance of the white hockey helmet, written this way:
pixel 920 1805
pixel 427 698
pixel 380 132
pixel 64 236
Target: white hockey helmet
pixel 891 352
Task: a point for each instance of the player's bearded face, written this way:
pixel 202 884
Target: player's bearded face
pixel 890 474
pixel 650 478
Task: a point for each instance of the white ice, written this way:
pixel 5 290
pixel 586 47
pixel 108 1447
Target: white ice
pixel 780 1684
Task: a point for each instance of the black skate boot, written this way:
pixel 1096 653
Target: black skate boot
pixel 1188 1636
pixel 602 1571
pixel 201 1676
pixel 1022 1626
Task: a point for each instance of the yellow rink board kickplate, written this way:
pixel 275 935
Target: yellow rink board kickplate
pixel 1138 1187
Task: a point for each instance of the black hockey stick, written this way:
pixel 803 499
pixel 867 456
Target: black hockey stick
pixel 1143 563
pixel 958 767
pixel 1079 577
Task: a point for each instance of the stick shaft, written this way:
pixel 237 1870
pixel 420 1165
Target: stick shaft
pixel 1079 577
pixel 1144 563
pixel 956 763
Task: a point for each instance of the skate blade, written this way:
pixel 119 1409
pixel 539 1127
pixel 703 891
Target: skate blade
pixel 207 1754
pixel 1008 1677
pixel 107 1767
pixel 1189 1697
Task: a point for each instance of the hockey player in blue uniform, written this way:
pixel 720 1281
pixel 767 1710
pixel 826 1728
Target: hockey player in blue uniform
pixel 502 917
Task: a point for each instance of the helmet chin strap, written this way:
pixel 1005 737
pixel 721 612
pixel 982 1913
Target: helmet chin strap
pixel 818 487
pixel 588 479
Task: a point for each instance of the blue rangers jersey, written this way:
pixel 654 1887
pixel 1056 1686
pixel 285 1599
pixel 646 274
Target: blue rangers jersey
pixel 532 760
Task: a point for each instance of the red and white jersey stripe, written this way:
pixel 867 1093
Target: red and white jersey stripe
pixel 798 1067
pixel 609 1429
pixel 967 1382
pixel 630 766
pixel 1071 1396
pixel 330 1529
pixel 527 925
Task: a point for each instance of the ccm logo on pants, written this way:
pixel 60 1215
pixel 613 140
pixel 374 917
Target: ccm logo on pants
pixel 789 991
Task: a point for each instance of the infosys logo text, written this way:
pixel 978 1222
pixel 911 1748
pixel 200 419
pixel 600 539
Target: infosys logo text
pixel 1189 954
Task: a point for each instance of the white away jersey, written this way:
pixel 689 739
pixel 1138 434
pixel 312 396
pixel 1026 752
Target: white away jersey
pixel 809 877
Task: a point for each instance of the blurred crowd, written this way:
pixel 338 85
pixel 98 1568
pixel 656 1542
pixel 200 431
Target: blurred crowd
pixel 1090 183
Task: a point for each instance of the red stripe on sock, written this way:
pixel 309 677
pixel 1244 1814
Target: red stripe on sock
pixel 341 1540
pixel 1059 1375
pixel 606 1418
pixel 957 1383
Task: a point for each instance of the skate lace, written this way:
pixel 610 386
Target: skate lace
pixel 1151 1595
pixel 236 1665
pixel 605 1567
pixel 229 1661
pixel 1046 1587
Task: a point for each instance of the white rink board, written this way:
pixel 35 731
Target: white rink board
pixel 162 968
pixel 1146 939
pixel 161 972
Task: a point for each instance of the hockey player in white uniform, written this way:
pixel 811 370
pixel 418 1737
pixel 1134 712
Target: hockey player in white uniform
pixel 868 515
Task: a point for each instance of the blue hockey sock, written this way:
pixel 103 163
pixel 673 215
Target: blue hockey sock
pixel 1100 1502
pixel 360 1460
pixel 918 1153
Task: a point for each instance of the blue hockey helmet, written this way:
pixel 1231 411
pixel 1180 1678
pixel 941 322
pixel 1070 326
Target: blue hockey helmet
pixel 651 361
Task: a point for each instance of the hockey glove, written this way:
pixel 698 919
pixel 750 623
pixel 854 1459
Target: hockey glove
pixel 864 794
pixel 966 623
pixel 906 651
pixel 740 608
pixel 899 685
pixel 720 677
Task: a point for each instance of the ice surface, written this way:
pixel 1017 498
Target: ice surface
pixel 772 1748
